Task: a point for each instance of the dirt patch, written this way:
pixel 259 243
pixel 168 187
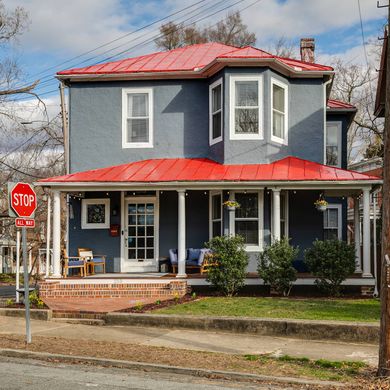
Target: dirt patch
pixel 184 358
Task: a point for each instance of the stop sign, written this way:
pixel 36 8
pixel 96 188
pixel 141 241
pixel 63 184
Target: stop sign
pixel 23 200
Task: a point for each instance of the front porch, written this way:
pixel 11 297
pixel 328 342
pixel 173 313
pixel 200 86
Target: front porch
pixel 136 222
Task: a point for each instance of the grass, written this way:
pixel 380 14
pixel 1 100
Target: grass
pixel 364 310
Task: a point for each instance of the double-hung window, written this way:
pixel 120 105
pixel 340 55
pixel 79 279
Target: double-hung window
pixel 137 117
pixel 215 112
pixel 215 214
pixel 332 222
pixel 248 218
pixel 333 144
pixel 279 115
pixel 284 214
pixel 246 120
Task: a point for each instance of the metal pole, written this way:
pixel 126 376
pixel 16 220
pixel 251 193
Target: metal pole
pixel 17 264
pixel 26 286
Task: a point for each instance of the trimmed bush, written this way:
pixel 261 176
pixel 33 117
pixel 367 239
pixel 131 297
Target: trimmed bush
pixel 331 262
pixel 228 275
pixel 275 266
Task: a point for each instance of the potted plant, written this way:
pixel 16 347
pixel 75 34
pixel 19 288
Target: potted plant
pixel 321 204
pixel 231 205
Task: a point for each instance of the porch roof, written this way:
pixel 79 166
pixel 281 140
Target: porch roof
pixel 289 169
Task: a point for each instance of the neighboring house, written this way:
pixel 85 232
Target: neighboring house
pixel 158 142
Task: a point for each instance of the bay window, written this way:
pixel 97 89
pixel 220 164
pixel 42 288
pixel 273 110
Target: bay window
pixel 279 104
pixel 245 107
pixel 215 112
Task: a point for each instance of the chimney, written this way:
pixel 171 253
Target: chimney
pixel 307 49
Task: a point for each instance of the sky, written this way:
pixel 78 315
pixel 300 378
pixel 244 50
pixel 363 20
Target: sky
pixel 61 32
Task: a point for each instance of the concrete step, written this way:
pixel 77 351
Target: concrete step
pixel 82 321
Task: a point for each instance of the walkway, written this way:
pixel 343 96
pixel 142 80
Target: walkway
pixel 197 340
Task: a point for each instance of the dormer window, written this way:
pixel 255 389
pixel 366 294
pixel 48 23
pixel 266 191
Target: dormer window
pixel 215 112
pixel 137 118
pixel 245 107
pixel 279 104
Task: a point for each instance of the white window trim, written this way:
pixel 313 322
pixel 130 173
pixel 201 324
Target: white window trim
pixel 213 141
pixel 211 220
pixel 232 98
pixel 85 203
pixel 339 142
pixel 125 92
pixel 255 248
pixel 337 206
pixel 280 84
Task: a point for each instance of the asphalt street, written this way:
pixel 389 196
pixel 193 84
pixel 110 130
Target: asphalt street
pixel 38 375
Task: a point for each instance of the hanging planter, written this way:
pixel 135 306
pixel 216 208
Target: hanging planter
pixel 321 204
pixel 231 205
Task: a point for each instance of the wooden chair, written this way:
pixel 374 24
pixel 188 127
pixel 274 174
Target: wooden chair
pixel 92 260
pixel 73 262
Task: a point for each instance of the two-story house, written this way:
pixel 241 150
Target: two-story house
pixel 158 143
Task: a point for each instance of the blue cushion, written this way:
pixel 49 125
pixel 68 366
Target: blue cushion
pixel 75 262
pixel 98 260
pixel 193 255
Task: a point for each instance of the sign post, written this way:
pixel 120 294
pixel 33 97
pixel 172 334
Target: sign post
pixel 23 202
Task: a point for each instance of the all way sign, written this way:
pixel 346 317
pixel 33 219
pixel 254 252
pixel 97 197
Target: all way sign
pixel 25 222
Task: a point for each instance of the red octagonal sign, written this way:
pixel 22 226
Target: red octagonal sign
pixel 23 200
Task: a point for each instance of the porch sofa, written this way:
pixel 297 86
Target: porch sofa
pixel 195 259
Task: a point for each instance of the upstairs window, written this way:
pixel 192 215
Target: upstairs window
pixel 215 105
pixel 137 112
pixel 279 119
pixel 333 144
pixel 245 107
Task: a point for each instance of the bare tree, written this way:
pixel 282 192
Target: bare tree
pixel 283 47
pixel 230 31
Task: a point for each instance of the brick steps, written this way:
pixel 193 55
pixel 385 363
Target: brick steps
pixel 82 321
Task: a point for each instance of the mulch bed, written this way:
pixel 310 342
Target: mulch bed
pixel 159 304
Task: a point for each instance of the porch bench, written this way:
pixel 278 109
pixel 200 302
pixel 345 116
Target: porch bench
pixel 195 259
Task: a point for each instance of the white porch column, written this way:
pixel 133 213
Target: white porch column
pixel 48 231
pixel 356 215
pixel 276 214
pixel 56 234
pixel 181 234
pixel 366 234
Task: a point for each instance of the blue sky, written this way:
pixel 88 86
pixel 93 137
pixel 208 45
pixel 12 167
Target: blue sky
pixel 61 30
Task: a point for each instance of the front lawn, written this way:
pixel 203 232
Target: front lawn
pixel 307 309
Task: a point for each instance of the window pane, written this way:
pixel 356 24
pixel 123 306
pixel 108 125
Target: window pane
pixel 131 253
pixel 246 93
pixel 217 125
pixel 216 206
pixel 249 230
pixel 332 144
pixel 96 213
pixel 131 242
pixel 332 218
pixel 248 205
pixel 247 120
pixel 138 130
pixel 149 253
pixel 141 230
pixel 216 98
pixel 278 98
pixel 278 124
pixel 331 135
pixel 216 229
pixel 332 155
pixel 137 104
pixel 330 234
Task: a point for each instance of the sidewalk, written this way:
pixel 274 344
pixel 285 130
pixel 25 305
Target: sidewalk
pixel 196 340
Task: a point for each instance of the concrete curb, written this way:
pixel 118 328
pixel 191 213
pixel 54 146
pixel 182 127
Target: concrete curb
pixel 199 372
pixel 305 329
pixel 35 314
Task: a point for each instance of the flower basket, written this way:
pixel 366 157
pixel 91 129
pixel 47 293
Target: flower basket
pixel 321 204
pixel 231 205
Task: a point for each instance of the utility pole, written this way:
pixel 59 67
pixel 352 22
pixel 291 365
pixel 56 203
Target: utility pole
pixel 384 343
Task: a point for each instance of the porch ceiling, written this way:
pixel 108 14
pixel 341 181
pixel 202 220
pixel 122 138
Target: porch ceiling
pixel 291 171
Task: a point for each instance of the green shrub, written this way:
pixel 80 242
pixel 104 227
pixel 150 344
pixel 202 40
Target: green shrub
pixel 331 262
pixel 35 300
pixel 275 266
pixel 228 275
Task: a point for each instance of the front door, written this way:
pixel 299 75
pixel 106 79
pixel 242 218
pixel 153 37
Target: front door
pixel 141 227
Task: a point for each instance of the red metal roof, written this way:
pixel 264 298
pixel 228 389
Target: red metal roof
pixel 337 104
pixel 188 58
pixel 205 170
